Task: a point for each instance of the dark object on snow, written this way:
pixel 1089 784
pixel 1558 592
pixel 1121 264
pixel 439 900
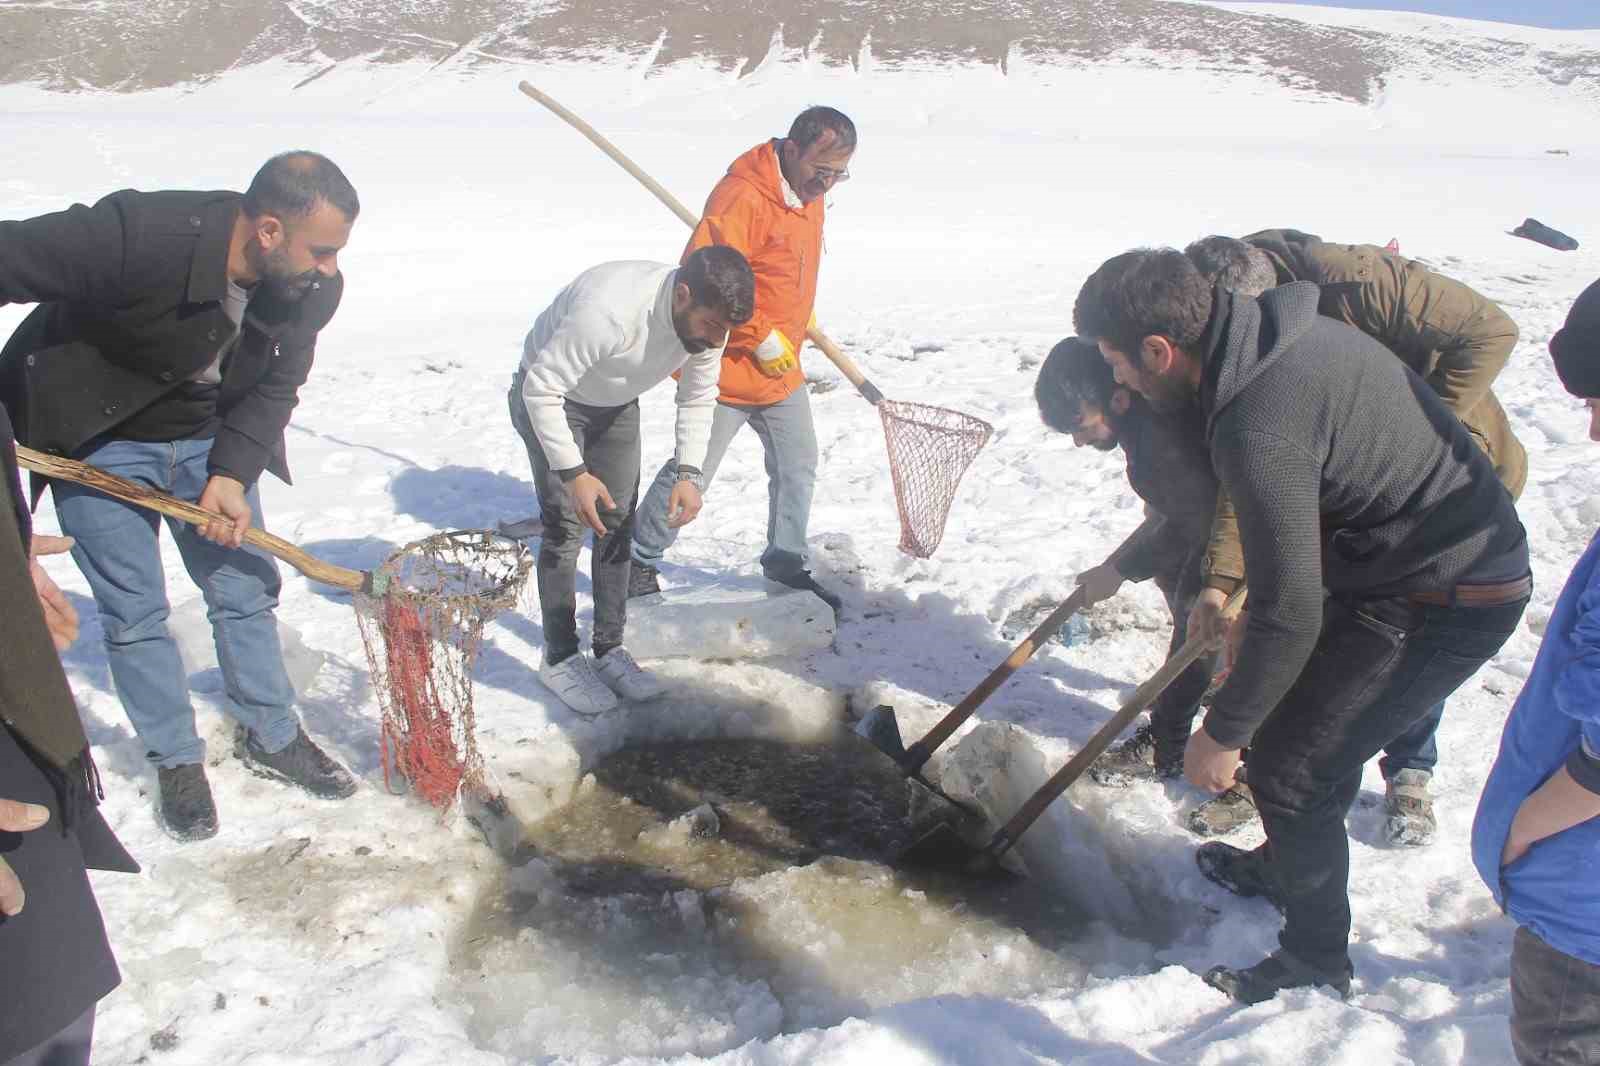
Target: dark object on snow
pixel 1576 346
pixel 1535 230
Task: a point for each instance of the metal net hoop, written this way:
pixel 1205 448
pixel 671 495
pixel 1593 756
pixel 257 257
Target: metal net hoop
pixel 930 449
pixel 422 627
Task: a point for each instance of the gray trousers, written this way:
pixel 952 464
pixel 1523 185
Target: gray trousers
pixel 1555 1005
pixel 69 1047
pixel 608 437
pixel 790 443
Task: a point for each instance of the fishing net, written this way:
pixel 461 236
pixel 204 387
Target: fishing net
pixel 929 449
pixel 422 625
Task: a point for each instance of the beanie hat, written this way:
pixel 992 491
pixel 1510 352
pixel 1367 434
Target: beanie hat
pixel 1576 346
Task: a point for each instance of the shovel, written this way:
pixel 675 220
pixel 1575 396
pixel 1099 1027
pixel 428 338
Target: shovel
pixel 942 847
pixel 880 726
pixel 53 466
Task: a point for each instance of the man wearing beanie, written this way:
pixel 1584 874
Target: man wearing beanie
pixel 1537 830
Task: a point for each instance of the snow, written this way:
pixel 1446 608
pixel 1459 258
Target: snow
pixel 746 619
pixel 309 931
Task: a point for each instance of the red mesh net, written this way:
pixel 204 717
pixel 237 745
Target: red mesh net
pixel 422 628
pixel 929 449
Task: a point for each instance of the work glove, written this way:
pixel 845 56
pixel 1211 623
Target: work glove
pixel 776 356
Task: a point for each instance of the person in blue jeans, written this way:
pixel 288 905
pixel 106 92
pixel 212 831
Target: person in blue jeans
pixel 1536 836
pixel 172 334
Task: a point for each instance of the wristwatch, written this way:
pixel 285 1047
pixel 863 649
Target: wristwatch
pixel 693 477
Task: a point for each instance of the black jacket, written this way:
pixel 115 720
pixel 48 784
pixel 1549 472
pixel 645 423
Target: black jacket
pixel 130 307
pixel 1348 473
pixel 55 962
pixel 1169 467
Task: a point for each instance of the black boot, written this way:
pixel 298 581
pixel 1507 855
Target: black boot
pixel 1244 873
pixel 1273 974
pixel 1142 757
pixel 187 809
pixel 642 581
pixel 802 579
pixel 302 763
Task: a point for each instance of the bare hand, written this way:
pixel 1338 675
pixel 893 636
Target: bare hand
pixel 16 817
pixel 45 544
pixel 224 496
pixel 1099 583
pixel 1205 617
pixel 588 493
pixel 683 505
pixel 59 615
pixel 1207 764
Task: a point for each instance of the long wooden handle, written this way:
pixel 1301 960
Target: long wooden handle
pixel 1062 779
pixel 141 496
pixel 920 752
pixel 845 364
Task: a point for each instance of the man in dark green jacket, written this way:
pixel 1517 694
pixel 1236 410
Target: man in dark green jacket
pixel 173 333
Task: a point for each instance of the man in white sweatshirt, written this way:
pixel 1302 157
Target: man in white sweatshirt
pixel 617 330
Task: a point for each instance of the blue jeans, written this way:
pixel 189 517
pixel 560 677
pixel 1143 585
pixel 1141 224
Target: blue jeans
pixel 118 550
pixel 1415 749
pixel 790 443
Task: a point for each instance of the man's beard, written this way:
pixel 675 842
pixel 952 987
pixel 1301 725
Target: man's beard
pixel 691 344
pixel 275 273
pixel 1107 445
pixel 1168 394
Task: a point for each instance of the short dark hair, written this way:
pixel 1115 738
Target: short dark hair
pixel 1233 264
pixel 292 184
pixel 1142 293
pixel 810 124
pixel 1073 376
pixel 720 277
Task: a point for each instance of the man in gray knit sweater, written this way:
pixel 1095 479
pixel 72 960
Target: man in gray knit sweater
pixel 1386 565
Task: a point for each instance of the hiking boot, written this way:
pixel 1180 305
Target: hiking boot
pixel 1142 757
pixel 643 581
pixel 187 809
pixel 1244 873
pixel 624 676
pixel 301 764
pixel 1273 974
pixel 803 580
pixel 580 688
pixel 1224 813
pixel 1408 810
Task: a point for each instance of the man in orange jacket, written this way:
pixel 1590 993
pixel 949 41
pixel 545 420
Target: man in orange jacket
pixel 770 207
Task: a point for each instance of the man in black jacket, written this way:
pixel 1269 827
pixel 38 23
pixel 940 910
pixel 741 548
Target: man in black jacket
pixel 57 961
pixel 1170 470
pixel 173 333
pixel 1349 475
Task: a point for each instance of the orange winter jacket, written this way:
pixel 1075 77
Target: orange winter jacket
pixel 784 246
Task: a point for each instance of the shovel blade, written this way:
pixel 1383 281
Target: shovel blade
pixel 944 848
pixel 882 730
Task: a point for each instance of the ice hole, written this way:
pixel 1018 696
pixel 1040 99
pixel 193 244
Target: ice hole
pixel 634 921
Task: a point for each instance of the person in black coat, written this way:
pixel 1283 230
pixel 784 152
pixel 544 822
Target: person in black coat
pixel 173 333
pixel 58 964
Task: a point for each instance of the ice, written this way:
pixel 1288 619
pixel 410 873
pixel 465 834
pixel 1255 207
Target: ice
pixel 191 630
pixel 729 619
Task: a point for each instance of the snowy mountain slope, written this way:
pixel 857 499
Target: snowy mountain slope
pixel 133 44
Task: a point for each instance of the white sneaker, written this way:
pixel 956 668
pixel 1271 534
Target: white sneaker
pixel 626 677
pixel 580 688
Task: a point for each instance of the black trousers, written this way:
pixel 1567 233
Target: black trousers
pixel 1172 714
pixel 1555 1005
pixel 1379 666
pixel 608 437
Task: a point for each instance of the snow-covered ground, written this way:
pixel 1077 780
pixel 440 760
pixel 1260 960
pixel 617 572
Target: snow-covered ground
pixel 980 200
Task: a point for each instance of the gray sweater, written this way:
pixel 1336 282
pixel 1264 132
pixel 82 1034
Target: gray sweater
pixel 1348 474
